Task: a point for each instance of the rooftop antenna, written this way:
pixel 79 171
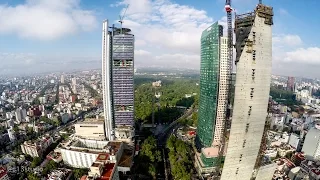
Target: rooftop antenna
pixel 121 18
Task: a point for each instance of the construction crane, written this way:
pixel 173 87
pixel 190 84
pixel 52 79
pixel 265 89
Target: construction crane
pixel 230 32
pixel 229 10
pixel 122 17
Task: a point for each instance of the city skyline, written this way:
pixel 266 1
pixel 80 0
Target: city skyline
pixel 75 46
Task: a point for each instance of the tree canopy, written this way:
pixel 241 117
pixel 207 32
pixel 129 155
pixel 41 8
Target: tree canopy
pixel 148 158
pixel 284 97
pixel 172 93
pixel 179 157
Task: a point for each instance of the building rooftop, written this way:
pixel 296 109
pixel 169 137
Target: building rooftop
pixel 59 174
pixel 103 157
pixel 92 121
pixel 95 164
pixel 37 142
pixel 107 172
pixel 211 151
pixel 285 161
pixel 126 158
pixel 307 165
pixel 316 171
pixel 92 146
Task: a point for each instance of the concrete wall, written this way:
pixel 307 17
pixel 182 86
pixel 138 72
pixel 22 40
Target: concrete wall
pixel 266 172
pixel 247 130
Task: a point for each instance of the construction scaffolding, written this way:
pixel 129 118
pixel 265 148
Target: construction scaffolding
pixel 265 12
pixel 243 26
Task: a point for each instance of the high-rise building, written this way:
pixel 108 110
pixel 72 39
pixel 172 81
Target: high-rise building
pixel 290 84
pixel 213 97
pixel 253 62
pixel 117 78
pixel 62 79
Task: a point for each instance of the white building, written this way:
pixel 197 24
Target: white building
pixel 223 91
pixel 311 145
pixel 124 133
pixel 81 153
pixel 10 123
pixel 9 115
pixel 293 172
pixel 304 93
pixel 62 79
pixel 36 148
pixel 20 114
pixel 294 141
pixel 90 129
pixel 253 78
pixel 11 134
pixel 60 174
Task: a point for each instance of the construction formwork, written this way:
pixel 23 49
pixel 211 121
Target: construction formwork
pixel 243 26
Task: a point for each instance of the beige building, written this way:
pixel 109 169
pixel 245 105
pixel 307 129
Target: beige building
pixel 37 147
pixel 90 129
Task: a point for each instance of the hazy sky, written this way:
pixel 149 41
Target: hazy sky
pixel 49 35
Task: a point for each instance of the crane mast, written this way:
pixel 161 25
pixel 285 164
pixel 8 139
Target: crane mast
pixel 230 44
pixel 229 69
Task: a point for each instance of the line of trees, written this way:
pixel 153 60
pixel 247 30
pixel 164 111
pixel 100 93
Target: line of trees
pixel 180 158
pixel 284 97
pixel 148 158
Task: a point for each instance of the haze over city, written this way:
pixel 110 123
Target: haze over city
pixel 62 35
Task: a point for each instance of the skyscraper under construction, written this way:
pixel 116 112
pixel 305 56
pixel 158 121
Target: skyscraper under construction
pixel 214 74
pixel 117 82
pixel 253 65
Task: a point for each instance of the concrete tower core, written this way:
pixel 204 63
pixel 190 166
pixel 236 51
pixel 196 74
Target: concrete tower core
pixel 253 65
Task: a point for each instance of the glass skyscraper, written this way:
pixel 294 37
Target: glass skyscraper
pixel 213 98
pixel 209 82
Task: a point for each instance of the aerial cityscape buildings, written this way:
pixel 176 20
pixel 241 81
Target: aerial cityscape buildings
pixel 253 65
pixel 123 121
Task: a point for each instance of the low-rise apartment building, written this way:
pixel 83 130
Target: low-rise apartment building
pixel 35 148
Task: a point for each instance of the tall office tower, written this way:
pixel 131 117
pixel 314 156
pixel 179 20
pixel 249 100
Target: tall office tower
pixel 253 61
pixel 74 84
pixel 213 98
pixel 117 77
pixel 62 79
pixel 290 84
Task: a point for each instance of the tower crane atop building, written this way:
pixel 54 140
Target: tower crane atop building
pixel 122 17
